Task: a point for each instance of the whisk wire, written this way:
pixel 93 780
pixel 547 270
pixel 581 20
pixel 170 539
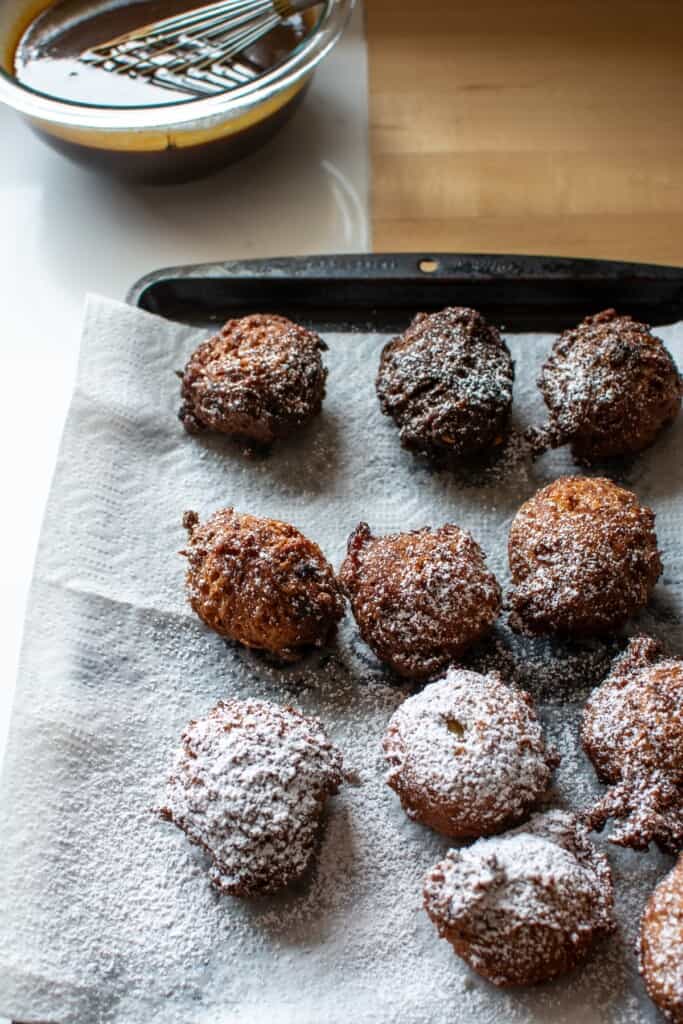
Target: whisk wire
pixel 224 9
pixel 159 42
pixel 195 51
pixel 213 32
pixel 238 44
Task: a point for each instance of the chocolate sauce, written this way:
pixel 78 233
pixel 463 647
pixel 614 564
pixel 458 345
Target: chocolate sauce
pixel 46 58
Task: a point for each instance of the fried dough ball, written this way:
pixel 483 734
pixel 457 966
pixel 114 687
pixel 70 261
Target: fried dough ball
pixel 661 945
pixel 610 386
pixel 260 582
pixel 258 379
pixel 525 906
pixel 248 785
pixel 447 383
pixel 583 558
pixel 421 598
pixel 467 755
pixel 632 730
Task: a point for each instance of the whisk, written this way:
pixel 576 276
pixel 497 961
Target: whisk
pixel 195 52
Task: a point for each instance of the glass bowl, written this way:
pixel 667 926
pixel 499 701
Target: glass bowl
pixel 175 141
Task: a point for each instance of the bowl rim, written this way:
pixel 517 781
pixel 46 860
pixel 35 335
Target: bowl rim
pixel 189 113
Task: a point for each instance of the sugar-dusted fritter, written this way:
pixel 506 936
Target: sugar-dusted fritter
pixel 610 386
pixel 467 755
pixel 583 558
pixel 661 945
pixel 260 582
pixel 421 598
pixel 632 730
pixel 447 383
pixel 248 785
pixel 257 380
pixel 525 906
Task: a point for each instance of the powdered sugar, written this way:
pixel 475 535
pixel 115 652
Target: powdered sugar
pixel 258 378
pixel 467 754
pixel 261 582
pixel 108 913
pixel 632 728
pixel 661 944
pixel 583 557
pixel 610 386
pixel 420 598
pixel 448 384
pixel 248 786
pixel 526 905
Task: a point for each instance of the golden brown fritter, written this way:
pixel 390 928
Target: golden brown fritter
pixel 583 558
pixel 632 730
pixel 610 386
pixel 447 383
pixel 260 582
pixel 661 945
pixel 466 755
pixel 248 785
pixel 525 906
pixel 258 379
pixel 421 598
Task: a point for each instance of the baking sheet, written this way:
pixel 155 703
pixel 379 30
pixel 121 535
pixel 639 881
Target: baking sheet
pixel 107 914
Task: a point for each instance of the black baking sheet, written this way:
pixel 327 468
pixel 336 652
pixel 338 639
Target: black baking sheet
pixel 383 291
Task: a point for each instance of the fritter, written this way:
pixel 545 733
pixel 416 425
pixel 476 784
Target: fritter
pixel 526 906
pixel 632 730
pixel 583 558
pixel 447 383
pixel 420 599
pixel 260 582
pixel 661 945
pixel 467 755
pixel 248 785
pixel 258 379
pixel 610 386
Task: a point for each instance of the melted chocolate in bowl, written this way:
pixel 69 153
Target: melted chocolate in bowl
pixel 46 57
pixel 42 53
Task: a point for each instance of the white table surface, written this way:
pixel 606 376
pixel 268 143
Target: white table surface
pixel 67 232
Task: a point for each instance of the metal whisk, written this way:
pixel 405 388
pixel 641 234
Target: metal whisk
pixel 195 52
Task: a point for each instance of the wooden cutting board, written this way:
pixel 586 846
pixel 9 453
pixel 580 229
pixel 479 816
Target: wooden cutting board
pixel 518 126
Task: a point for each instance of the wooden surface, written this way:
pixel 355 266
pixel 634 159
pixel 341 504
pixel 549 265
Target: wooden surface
pixel 518 126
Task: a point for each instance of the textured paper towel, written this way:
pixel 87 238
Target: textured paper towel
pixel 106 912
